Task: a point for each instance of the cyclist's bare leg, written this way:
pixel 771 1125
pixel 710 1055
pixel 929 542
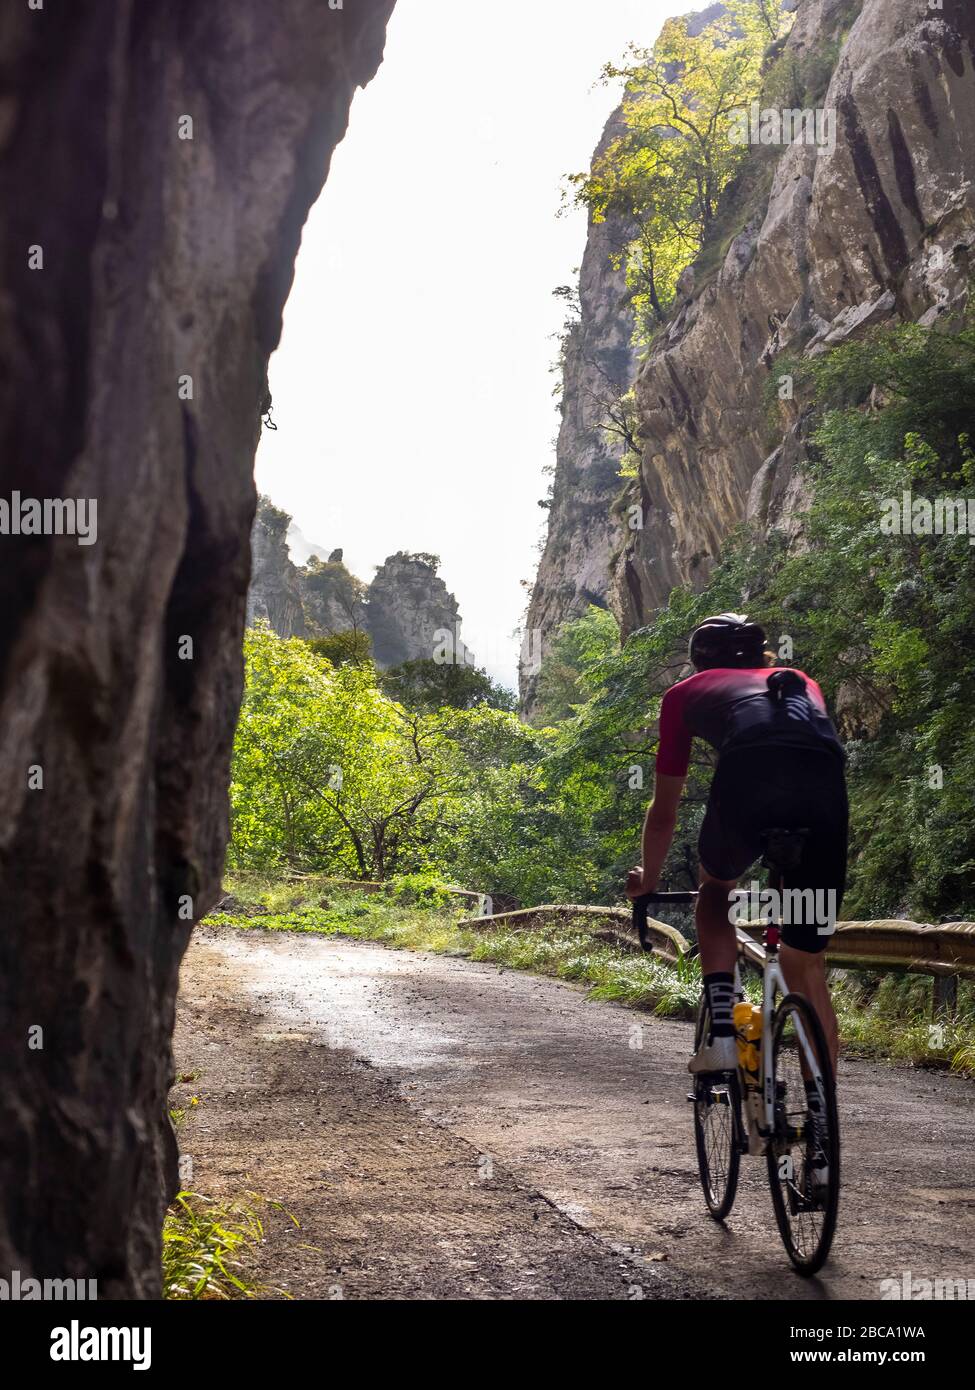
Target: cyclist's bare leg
pixel 715 933
pixel 805 973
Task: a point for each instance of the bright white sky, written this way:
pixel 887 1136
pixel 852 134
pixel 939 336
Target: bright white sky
pixel 412 389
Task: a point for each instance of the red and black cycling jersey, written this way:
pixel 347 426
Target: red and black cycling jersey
pixel 733 708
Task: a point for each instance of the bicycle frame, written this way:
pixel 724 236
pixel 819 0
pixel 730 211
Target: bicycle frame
pixel 774 984
pixel 759 1108
pixel 766 959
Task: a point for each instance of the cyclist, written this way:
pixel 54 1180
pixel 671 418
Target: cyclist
pixel 780 764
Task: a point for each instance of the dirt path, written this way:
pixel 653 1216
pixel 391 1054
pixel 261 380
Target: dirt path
pixel 445 1129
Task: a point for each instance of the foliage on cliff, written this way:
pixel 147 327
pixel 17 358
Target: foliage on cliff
pixel 885 612
pixel 882 617
pixel 664 176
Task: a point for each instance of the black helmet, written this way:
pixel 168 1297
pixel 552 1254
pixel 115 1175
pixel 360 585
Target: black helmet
pixel 729 639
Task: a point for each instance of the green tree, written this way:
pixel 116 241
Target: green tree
pixel 427 684
pixel 578 646
pixel 661 179
pixel 328 772
pixel 351 645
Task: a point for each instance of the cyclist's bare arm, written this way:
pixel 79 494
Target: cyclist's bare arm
pixel 658 831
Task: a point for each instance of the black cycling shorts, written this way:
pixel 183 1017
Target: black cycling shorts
pixel 770 786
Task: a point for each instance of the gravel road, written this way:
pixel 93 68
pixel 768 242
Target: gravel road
pixel 443 1129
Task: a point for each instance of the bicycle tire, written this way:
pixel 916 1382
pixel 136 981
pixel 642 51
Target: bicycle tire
pixel 709 1095
pixel 786 1190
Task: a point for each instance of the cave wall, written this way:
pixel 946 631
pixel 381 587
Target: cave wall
pixel 163 258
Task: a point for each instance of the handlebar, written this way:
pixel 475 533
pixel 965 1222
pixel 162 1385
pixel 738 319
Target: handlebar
pixel 641 904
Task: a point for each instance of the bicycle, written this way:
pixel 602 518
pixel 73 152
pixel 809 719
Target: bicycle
pixel 769 1087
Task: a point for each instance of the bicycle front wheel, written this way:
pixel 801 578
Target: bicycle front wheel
pixel 804 1149
pixel 717 1125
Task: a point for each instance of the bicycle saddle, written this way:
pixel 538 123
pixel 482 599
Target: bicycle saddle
pixel 783 846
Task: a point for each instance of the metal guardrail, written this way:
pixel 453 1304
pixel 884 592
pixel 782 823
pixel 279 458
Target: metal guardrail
pixel 667 941
pixel 943 950
pixel 946 952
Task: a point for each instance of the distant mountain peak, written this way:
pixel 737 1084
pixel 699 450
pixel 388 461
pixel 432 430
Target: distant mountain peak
pixel 303 590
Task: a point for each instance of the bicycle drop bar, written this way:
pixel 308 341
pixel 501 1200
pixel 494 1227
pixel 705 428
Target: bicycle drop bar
pixel 641 904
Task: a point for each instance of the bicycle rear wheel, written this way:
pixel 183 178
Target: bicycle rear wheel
pixel 803 1156
pixel 717 1127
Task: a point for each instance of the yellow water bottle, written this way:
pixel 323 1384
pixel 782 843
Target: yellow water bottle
pixel 748 1031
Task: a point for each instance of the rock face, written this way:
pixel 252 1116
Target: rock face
pixel 331 598
pixel 878 229
pixel 403 610
pixel 408 606
pixel 132 371
pixel 311 600
pixel 274 594
pixel 599 368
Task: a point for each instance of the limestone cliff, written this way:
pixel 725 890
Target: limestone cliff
pixel 816 244
pixel 274 594
pixel 599 364
pixel 879 228
pixel 402 610
pixel 408 604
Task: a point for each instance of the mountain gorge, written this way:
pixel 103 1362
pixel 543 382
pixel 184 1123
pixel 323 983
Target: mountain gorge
pixel 814 245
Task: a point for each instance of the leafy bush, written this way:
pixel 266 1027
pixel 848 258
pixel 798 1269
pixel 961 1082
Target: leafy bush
pixel 420 890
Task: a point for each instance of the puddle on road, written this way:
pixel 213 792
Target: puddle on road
pixel 351 998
